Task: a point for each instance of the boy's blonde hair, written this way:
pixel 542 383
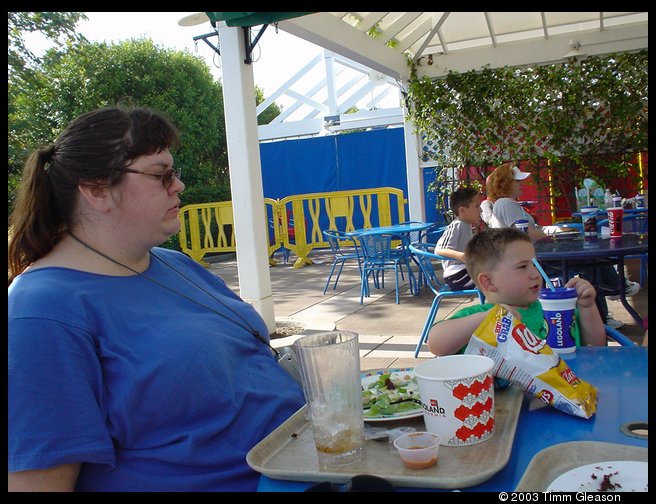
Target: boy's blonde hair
pixel 488 247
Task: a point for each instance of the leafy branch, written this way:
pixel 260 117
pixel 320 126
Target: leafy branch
pixel 574 117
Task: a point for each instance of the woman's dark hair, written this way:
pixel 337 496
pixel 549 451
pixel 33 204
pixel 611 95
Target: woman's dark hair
pixel 91 150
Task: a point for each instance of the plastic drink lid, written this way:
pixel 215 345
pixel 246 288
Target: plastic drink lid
pixel 560 293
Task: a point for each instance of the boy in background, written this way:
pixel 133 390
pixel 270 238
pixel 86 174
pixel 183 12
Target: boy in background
pixel 465 203
pixel 500 260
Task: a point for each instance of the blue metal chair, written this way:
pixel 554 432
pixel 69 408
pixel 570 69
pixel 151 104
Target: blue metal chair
pixel 378 256
pixel 441 290
pixel 620 338
pixel 340 256
pixel 430 236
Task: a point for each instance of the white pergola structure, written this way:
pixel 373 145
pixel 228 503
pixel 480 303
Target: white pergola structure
pixel 439 42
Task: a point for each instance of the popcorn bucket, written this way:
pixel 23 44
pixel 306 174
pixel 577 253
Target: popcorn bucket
pixel 457 396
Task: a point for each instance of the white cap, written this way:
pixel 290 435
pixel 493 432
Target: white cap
pixel 518 174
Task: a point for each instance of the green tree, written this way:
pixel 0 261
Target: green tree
pixel 23 75
pixel 140 73
pixel 56 26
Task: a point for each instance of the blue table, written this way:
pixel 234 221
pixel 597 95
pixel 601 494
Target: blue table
pixel 629 211
pixel 620 375
pixel 403 231
pixel 570 250
pixel 400 230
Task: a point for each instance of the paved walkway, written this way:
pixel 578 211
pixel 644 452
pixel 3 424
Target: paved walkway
pixel 388 332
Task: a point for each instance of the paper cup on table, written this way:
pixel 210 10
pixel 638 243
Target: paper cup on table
pixel 457 395
pixel 330 372
pixel 615 216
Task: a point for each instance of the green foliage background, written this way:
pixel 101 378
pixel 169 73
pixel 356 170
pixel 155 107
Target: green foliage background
pixel 133 72
pixel 577 117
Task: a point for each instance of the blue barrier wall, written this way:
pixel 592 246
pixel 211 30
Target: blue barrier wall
pixel 359 160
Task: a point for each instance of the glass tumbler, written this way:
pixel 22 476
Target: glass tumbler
pixel 330 372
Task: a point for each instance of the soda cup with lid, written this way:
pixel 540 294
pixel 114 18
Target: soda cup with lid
pixel 521 224
pixel 559 306
pixel 617 201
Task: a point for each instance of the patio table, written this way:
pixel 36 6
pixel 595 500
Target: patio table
pixel 629 211
pixel 574 250
pixel 620 375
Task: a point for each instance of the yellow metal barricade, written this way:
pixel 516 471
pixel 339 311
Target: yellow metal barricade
pixel 295 222
pixel 310 214
pixel 210 228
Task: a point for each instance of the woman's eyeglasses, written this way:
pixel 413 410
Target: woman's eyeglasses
pixel 167 177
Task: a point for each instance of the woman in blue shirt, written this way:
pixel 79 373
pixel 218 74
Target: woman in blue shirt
pixel 131 367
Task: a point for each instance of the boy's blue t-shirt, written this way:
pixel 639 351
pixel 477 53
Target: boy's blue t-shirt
pixel 532 317
pixel 150 391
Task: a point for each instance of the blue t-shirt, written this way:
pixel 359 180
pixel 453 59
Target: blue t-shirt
pixel 149 390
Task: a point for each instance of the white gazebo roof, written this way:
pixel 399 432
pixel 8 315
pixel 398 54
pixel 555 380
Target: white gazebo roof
pixel 463 41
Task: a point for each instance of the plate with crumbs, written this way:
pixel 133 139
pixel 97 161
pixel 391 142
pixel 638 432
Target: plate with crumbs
pixel 607 476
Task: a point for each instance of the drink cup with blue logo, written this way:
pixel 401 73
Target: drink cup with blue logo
pixel 558 306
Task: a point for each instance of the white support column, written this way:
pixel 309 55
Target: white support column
pixel 245 175
pixel 416 205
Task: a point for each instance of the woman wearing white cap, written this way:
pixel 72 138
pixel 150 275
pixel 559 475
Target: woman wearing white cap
pixel 503 188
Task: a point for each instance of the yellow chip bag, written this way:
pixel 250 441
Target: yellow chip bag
pixel 527 361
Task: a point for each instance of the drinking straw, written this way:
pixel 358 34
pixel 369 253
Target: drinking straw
pixel 544 275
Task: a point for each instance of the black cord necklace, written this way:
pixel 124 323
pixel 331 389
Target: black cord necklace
pixel 243 323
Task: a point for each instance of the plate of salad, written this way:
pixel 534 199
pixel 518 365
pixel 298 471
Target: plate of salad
pixel 390 394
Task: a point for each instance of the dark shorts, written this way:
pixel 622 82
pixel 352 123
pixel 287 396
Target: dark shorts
pixel 459 281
